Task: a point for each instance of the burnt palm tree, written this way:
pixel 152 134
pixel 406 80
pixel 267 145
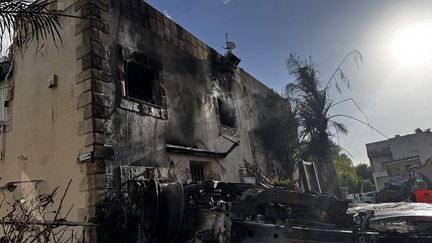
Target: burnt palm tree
pixel 312 106
pixel 23 21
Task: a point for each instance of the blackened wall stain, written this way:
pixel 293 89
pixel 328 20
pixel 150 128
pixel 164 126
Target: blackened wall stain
pixel 191 80
pixel 276 133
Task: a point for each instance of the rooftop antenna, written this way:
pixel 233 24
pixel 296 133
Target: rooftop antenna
pixel 230 60
pixel 229 45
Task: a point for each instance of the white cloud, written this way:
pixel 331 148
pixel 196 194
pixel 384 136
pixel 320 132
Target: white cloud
pixel 165 12
pixel 226 1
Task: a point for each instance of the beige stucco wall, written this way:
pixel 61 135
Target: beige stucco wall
pixel 43 142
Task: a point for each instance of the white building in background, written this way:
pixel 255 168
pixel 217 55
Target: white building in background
pixel 391 158
pixel 5 66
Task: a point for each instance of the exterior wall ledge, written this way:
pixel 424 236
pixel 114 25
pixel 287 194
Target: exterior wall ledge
pixel 144 108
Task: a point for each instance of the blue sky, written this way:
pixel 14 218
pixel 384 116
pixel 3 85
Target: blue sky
pixel 393 85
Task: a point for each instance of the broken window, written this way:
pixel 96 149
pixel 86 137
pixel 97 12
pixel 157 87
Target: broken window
pixel 227 116
pixel 142 83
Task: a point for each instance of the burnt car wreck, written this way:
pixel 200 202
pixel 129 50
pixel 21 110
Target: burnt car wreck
pixel 220 212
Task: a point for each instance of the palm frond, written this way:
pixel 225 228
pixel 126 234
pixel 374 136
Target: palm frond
pixel 357 58
pixel 340 127
pixel 305 73
pixel 289 90
pixel 363 122
pixel 23 21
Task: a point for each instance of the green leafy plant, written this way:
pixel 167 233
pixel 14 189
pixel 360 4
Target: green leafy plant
pixel 22 21
pixel 312 105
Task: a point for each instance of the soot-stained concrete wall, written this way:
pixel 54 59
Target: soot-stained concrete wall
pixel 87 127
pixel 191 79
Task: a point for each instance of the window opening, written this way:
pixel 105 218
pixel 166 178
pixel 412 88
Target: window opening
pixel 227 116
pixel 142 83
pixel 197 172
pixel 200 170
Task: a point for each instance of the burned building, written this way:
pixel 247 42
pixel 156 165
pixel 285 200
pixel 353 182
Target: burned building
pixel 128 94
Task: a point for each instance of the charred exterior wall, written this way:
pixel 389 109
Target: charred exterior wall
pixel 130 83
pixel 201 104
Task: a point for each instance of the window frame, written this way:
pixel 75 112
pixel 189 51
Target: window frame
pixel 156 92
pixel 224 104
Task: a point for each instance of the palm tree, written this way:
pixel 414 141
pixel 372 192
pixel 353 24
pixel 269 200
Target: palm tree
pixel 312 105
pixel 23 21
